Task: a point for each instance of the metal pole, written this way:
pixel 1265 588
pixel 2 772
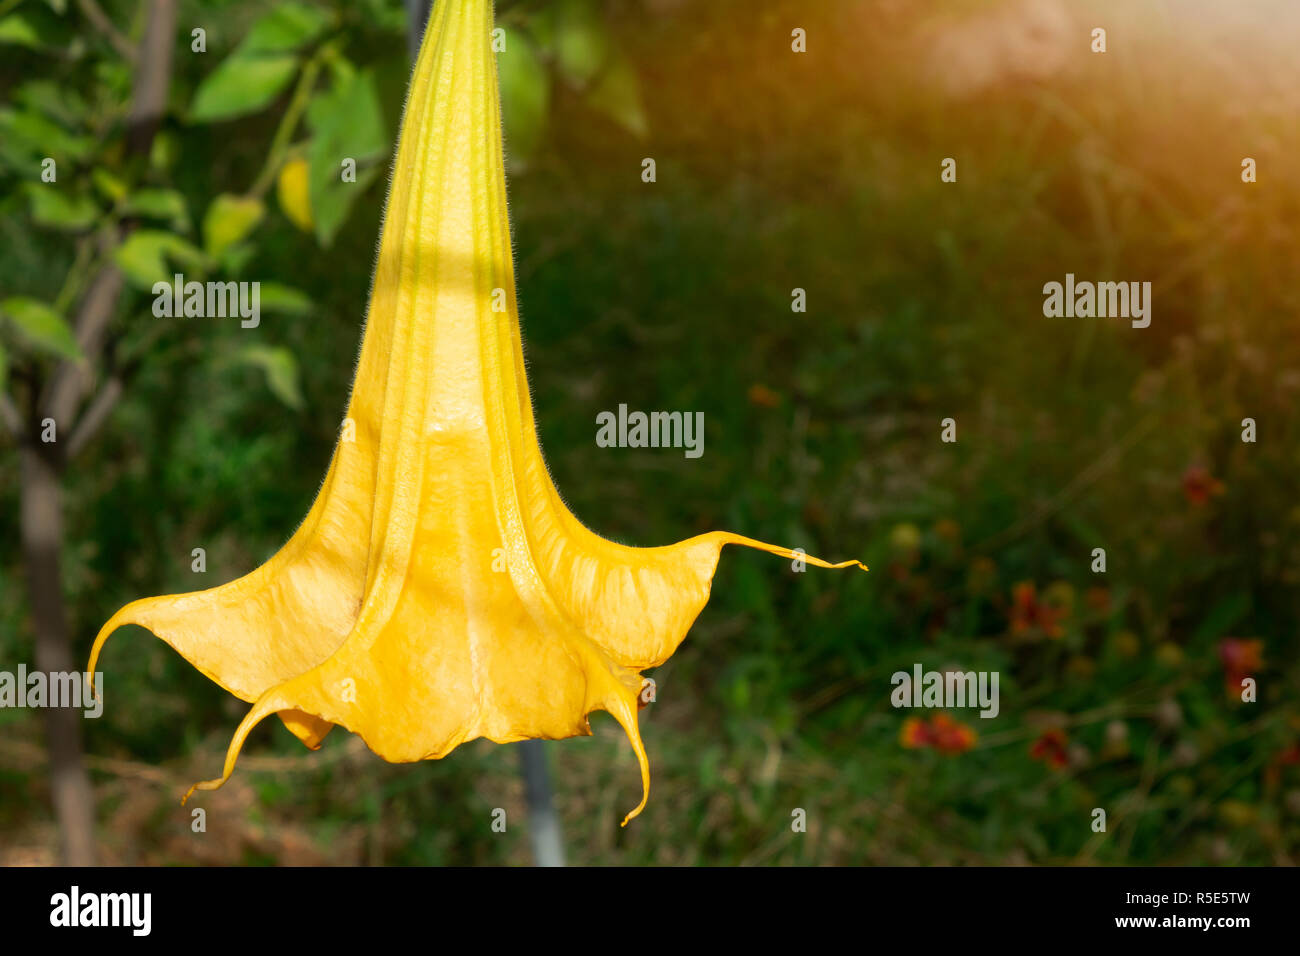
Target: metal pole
pixel 543 822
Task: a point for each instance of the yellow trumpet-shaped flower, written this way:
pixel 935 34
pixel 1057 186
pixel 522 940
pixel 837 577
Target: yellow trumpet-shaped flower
pixel 439 589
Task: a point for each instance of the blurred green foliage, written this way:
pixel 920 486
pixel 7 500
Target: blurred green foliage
pixel 776 171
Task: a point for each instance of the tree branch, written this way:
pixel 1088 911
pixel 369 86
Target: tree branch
pixel 93 418
pixel 152 77
pixel 9 415
pixel 100 21
pixel 71 381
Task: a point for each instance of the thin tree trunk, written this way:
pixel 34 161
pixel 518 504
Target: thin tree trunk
pixel 42 493
pixel 152 77
pixel 42 534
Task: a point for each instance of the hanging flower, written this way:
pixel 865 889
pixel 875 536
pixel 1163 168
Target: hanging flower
pixel 439 590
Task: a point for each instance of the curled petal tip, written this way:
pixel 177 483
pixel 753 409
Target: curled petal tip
pixel 636 811
pixel 622 705
pixel 850 564
pixel 203 785
pixel 727 537
pixel 113 623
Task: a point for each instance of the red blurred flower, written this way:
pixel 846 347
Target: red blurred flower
pixel 1098 600
pixel 940 732
pixel 950 736
pixel 1240 659
pixel 915 733
pixel 1028 613
pixel 1050 748
pixel 1199 486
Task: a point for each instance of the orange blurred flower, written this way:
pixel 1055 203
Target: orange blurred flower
pixel 1240 659
pixel 948 530
pixel 1199 486
pixel 1050 748
pixel 940 732
pixel 764 397
pixel 1028 613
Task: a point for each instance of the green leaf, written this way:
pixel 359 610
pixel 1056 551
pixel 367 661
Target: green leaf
pixel 234 259
pixel 30 137
pixel 114 79
pixel 229 220
pixel 275 297
pixel 332 200
pixel 525 95
pixel 281 369
pixel 384 15
pixel 164 204
pixel 4 368
pixel 165 150
pixel 349 116
pixel 41 327
pixel 58 207
pixel 581 40
pixel 36 28
pixel 19 30
pixel 287 28
pixel 617 94
pixel 146 254
pixel 347 123
pixel 59 103
pixel 242 85
pixel 110 186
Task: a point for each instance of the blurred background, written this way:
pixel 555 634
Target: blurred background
pixel 776 170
